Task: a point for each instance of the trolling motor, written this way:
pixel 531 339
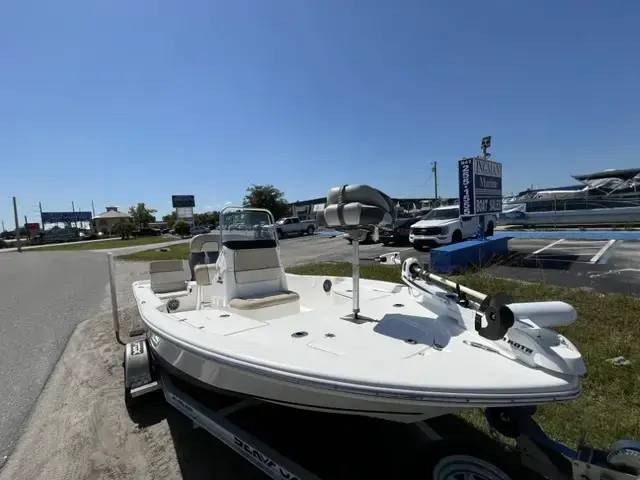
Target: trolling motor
pixel 493 308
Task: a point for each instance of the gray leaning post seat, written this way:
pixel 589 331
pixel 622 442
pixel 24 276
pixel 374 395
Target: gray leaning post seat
pixel 351 209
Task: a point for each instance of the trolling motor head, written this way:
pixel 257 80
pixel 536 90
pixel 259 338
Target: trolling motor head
pixel 498 315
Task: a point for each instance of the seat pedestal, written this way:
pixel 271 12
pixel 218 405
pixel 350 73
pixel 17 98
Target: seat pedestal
pixel 356 236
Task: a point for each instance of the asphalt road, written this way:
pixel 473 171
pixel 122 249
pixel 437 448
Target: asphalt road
pixel 43 296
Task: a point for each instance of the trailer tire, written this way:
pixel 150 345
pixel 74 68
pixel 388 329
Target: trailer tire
pixel 453 460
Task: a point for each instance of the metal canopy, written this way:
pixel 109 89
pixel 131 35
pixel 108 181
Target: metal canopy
pixel 625 174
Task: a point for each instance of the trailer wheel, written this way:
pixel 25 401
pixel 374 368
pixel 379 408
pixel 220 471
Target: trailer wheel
pixel 455 467
pixel 444 460
pixel 129 402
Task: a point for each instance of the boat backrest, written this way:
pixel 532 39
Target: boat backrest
pixel 167 276
pixel 356 206
pixel 248 272
pixel 204 250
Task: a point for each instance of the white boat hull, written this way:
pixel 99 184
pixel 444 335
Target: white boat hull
pixel 237 381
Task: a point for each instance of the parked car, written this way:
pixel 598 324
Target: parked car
pixel 147 232
pixel 399 232
pixel 200 230
pixel 294 226
pixel 444 225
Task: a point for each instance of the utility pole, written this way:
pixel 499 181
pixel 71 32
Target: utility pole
pixel 434 169
pixel 15 217
pixel 41 219
pixel 73 209
pixel 93 208
pixel 3 226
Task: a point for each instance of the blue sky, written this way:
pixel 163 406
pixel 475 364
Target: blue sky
pixel 126 101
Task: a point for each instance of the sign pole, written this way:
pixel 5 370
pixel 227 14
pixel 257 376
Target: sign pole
pixel 15 217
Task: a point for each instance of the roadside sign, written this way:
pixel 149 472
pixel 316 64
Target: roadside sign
pixel 183 201
pixel 480 186
pixel 486 143
pixel 65 217
pixel 32 227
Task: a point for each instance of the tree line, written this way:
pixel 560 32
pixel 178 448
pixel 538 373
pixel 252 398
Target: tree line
pixel 256 196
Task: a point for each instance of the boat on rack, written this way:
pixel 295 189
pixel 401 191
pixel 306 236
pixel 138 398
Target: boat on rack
pixel 403 352
pixel 601 198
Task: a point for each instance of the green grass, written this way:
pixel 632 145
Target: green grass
pixel 105 244
pixel 607 326
pixel 174 252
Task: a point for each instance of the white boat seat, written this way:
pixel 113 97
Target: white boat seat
pixel 258 280
pixel 270 300
pixel 352 206
pixel 204 274
pixel 256 265
pixel 167 276
pixel 205 249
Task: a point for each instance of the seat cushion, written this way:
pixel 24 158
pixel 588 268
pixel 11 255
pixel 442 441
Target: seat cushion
pixel 262 301
pixel 352 206
pixel 262 275
pixel 255 259
pixel 167 276
pixel 204 274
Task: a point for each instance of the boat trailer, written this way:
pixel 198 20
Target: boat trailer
pixel 538 453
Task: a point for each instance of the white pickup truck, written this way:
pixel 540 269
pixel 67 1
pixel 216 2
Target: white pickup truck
pixel 294 226
pixel 444 225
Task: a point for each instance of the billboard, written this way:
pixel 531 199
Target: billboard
pixel 183 201
pixel 480 186
pixel 65 217
pixel 32 227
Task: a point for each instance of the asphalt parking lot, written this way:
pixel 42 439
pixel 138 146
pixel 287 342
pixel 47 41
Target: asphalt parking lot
pixel 607 266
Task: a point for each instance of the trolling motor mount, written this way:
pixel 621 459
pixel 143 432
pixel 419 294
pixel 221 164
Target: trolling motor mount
pixel 499 316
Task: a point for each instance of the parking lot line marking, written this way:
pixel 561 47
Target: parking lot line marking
pixel 602 251
pixel 548 246
pixel 594 247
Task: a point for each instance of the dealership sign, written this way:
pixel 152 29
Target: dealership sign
pixel 65 217
pixel 480 186
pixel 183 201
